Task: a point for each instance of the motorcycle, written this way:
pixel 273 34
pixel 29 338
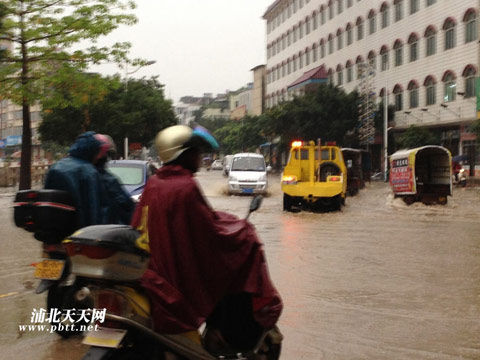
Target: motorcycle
pixel 50 215
pixel 108 262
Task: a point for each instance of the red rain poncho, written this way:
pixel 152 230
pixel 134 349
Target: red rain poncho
pixel 198 255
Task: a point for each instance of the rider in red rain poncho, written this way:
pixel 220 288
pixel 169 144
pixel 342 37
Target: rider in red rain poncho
pixel 198 255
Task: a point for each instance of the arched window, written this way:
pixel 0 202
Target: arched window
pixel 372 22
pixel 430 2
pixel 431 43
pixel 300 60
pixel 398 10
pixel 300 28
pixel 339 39
pixel 359 24
pixel 414 6
pixel 384 15
pixel 339 75
pixel 315 20
pixel 295 63
pixel 339 6
pixel 469 74
pixel 413 46
pixel 330 76
pixel 314 53
pixel 349 34
pixel 322 14
pixel 398 94
pixel 398 50
pixel 449 86
pixel 289 66
pixel 384 58
pixel 413 94
pixel 349 68
pixel 289 38
pixel 470 20
pixel 430 90
pixel 330 10
pixel 307 57
pixel 449 28
pixel 322 48
pixel 372 60
pixel 360 67
pixel 330 44
pixel 307 25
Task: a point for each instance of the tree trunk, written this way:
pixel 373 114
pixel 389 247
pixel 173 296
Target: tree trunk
pixel 26 159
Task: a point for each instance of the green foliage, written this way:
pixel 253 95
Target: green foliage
pixel 137 112
pixel 329 114
pixel 415 137
pixel 58 151
pixel 240 135
pixel 378 119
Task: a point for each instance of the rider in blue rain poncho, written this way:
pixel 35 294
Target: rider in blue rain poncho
pixel 77 175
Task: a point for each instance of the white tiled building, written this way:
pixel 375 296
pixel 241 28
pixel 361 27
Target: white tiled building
pixel 425 52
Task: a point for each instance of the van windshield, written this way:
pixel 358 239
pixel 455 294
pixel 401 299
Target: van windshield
pixel 248 164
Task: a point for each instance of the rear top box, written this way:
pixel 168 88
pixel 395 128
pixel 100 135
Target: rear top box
pixel 50 214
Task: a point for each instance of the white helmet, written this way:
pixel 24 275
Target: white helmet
pixel 174 140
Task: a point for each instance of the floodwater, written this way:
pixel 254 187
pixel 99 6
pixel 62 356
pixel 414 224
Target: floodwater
pixel 378 280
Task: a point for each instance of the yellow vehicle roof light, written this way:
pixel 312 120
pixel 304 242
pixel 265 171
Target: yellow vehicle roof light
pixel 297 144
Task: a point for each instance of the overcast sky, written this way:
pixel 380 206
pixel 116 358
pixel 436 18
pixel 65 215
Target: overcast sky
pixel 199 46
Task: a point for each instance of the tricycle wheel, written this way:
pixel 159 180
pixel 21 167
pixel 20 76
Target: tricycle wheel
pixel 409 200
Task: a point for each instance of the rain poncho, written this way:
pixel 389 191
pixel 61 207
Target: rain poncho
pixel 77 175
pixel 198 255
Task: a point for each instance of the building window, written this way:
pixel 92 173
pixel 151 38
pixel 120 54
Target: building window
pixel 399 10
pixel 470 27
pixel 315 21
pixel 398 53
pixel 430 2
pixel 307 26
pixel 300 27
pixel 414 6
pixel 322 17
pixel 384 14
pixel 322 50
pixel 431 43
pixel 307 57
pixel 360 30
pixel 300 59
pixel 449 28
pixel 339 40
pixel 372 24
pixel 315 54
pixel 289 67
pixel 349 35
pixel 330 11
pixel 360 70
pixel 330 45
pixel 398 93
pixel 413 95
pixel 339 6
pixel 349 73
pixel 340 77
pixel 469 75
pixel 450 88
pixel 372 61
pixel 413 47
pixel 430 92
pixel 384 59
pixel 349 3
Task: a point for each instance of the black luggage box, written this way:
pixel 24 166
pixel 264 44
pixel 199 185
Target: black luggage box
pixel 50 214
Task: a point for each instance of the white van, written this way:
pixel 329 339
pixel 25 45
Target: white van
pixel 248 174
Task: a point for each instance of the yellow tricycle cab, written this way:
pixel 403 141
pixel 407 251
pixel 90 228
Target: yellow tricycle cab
pixel 314 172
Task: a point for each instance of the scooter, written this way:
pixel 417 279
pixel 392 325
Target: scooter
pixel 108 262
pixel 460 179
pixel 50 215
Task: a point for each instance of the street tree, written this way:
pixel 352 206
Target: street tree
pixel 51 39
pixel 416 136
pixel 329 114
pixel 138 112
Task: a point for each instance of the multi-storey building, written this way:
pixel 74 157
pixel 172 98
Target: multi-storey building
pixel 425 53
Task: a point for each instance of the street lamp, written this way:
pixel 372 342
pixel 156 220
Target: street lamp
pixel 148 63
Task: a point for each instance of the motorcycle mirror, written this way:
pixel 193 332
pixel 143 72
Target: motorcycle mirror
pixel 256 202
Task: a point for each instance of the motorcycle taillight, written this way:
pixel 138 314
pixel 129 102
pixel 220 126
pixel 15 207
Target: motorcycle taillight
pixel 115 304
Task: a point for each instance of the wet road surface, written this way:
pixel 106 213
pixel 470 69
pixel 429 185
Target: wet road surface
pixel 378 280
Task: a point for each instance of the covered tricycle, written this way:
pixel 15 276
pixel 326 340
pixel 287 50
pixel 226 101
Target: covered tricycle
pixel 422 174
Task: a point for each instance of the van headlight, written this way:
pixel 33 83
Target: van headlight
pixel 136 198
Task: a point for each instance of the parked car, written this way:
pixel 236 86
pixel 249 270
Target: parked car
pixel 248 174
pixel 133 175
pixel 217 165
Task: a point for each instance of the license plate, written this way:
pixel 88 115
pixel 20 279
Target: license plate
pixel 247 191
pixel 49 269
pixel 104 337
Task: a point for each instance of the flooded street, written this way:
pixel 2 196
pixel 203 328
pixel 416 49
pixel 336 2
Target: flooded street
pixel 378 280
